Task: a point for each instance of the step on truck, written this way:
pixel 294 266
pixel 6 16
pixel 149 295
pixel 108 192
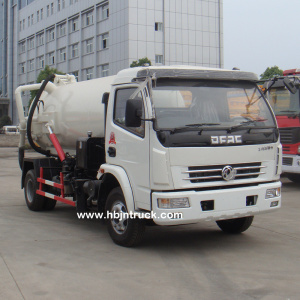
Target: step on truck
pixel 153 145
pixel 285 102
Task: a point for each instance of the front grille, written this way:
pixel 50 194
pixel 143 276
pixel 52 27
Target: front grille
pixel 286 148
pixel 214 173
pixel 286 135
pixel 287 161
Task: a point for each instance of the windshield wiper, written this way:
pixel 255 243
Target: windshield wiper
pixel 248 122
pixel 195 126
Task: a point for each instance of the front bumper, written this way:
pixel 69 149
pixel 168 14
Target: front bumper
pixel 227 204
pixel 291 164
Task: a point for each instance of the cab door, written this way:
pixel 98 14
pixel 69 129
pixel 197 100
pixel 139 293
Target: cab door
pixel 128 147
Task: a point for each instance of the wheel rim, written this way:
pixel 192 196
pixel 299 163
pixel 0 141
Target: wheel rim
pixel 119 220
pixel 29 190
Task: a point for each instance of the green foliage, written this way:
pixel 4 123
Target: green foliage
pixel 140 63
pixel 42 76
pixel 271 72
pixel 5 120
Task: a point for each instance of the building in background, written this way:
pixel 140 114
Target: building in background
pixel 95 38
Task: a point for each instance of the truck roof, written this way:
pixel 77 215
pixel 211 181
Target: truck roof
pixel 192 72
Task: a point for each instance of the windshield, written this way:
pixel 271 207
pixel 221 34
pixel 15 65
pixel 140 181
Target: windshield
pixel 209 104
pixel 283 102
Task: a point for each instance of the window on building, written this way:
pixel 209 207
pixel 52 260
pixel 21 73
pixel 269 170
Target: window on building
pixel 74 24
pixel 32 19
pixel 22 46
pixel 88 18
pixel 63 4
pixel 52 8
pixel 104 11
pixel 22 67
pixel 40 39
pixel 89 73
pixel 20 26
pixel 75 73
pixel 158 26
pixel 28 22
pixel 51 58
pixel 62 55
pixel 42 12
pixel 50 34
pixel 58 5
pixel 30 43
pixel 74 50
pixel 104 41
pixel 104 70
pixel 62 29
pixel 31 65
pixel 158 59
pixel 23 24
pixel 48 10
pixel 38 16
pixel 73 1
pixel 40 62
pixel 89 46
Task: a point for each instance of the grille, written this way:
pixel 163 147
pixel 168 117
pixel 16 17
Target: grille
pixel 286 148
pixel 287 161
pixel 286 135
pixel 214 173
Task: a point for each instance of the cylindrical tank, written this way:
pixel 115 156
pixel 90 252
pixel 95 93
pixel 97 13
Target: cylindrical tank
pixel 71 110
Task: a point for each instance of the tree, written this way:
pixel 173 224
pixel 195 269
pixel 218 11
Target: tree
pixel 271 72
pixel 42 76
pixel 5 120
pixel 141 62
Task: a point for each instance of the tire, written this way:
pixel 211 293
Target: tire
pixel 235 225
pixel 128 232
pixel 34 201
pixel 294 177
pixel 49 204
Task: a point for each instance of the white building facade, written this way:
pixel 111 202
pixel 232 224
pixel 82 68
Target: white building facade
pixel 94 38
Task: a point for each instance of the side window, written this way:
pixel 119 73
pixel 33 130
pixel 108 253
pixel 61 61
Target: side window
pixel 121 98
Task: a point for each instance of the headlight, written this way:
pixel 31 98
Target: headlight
pixel 272 193
pixel 173 202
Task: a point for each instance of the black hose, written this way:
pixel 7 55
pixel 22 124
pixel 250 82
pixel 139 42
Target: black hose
pixel 30 116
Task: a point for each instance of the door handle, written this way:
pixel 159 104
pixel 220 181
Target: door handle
pixel 112 152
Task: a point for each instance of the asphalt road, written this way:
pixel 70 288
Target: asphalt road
pixel 53 255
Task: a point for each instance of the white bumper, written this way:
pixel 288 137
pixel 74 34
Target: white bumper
pixel 228 204
pixel 291 164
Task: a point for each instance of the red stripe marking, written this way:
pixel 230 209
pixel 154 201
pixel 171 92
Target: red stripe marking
pixel 57 198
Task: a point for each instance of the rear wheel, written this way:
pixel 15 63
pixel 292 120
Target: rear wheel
pixel 124 231
pixel 34 201
pixel 294 177
pixel 235 225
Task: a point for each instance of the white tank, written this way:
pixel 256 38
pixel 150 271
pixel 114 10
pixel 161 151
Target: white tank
pixel 72 110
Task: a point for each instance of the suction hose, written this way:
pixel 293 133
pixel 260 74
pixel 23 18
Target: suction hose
pixel 30 116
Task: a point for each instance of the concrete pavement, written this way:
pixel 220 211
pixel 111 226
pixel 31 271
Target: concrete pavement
pixel 53 255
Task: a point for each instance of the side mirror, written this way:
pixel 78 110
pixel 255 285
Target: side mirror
pixel 133 113
pixel 290 85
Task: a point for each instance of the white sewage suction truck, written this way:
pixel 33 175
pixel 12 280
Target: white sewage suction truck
pixel 179 144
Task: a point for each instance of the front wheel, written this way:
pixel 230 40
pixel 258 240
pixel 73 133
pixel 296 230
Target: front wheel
pixel 235 225
pixel 123 230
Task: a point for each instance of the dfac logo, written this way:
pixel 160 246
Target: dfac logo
pixel 228 173
pixel 226 139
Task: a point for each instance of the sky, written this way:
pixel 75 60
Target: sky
pixel 261 33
